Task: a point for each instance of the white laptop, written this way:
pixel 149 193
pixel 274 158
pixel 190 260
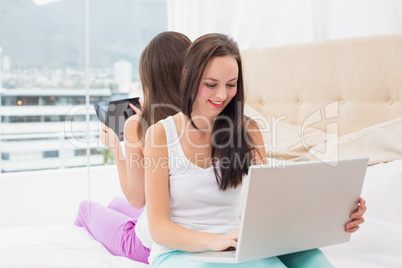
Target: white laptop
pixel 301 206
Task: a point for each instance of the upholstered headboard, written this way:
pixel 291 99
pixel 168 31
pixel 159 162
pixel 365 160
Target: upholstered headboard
pixel 356 82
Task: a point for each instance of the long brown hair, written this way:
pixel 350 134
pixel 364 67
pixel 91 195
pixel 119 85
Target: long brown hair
pixel 234 157
pixel 161 65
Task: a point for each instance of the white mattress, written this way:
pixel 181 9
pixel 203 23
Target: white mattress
pixel 377 244
pixel 56 246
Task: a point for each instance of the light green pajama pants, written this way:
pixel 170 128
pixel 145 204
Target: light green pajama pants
pixel 305 259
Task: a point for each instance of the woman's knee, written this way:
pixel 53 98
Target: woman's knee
pixel 86 205
pixel 304 259
pixel 117 202
pixel 121 205
pixel 84 209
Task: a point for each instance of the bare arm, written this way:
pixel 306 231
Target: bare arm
pixel 258 154
pixel 163 231
pixel 130 170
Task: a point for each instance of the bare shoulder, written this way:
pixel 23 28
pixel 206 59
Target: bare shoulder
pixel 253 131
pixel 156 137
pixel 130 129
pixel 250 124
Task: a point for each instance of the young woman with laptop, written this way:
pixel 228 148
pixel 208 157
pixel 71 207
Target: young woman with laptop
pixel 197 160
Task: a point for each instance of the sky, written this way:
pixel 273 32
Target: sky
pixel 44 2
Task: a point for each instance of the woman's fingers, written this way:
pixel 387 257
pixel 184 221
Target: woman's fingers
pixel 136 110
pixel 353 229
pixel 360 210
pixel 107 137
pixel 103 127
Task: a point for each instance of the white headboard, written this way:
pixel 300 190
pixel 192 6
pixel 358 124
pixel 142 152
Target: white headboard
pixel 356 82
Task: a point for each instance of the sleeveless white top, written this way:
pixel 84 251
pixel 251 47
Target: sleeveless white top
pixel 195 199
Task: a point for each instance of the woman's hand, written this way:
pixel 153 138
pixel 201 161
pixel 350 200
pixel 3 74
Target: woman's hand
pixel 136 110
pixel 225 241
pixel 357 217
pixel 108 137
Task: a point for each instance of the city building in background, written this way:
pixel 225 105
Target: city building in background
pixel 38 128
pixel 57 65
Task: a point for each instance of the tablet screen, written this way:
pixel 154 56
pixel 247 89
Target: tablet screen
pixel 115 113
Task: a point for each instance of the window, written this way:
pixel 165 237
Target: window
pixel 53 72
pixel 5 156
pixel 20 100
pixel 52 118
pixel 50 154
pixel 79 117
pixel 36 118
pixel 5 119
pixel 80 152
pixel 96 151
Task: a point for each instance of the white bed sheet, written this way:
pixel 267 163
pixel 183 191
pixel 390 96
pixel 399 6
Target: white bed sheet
pixel 377 244
pixel 56 246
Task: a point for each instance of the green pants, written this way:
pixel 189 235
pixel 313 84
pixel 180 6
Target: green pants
pixel 304 259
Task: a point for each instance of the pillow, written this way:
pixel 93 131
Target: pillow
pixel 283 140
pixel 381 143
pixel 383 188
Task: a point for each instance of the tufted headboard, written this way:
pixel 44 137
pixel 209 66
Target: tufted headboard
pixel 356 82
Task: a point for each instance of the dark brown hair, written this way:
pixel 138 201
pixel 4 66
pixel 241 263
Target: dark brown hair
pixel 234 157
pixel 161 65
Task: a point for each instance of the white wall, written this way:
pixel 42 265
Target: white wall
pixel 265 23
pixel 52 197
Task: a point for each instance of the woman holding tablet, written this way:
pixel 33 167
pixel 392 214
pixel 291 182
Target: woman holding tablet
pixel 161 64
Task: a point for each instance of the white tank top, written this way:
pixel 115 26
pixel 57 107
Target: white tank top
pixel 196 202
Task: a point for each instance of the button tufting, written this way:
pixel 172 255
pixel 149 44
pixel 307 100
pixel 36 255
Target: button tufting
pixel 300 102
pixel 391 102
pixel 342 101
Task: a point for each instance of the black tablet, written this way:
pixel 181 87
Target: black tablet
pixel 115 113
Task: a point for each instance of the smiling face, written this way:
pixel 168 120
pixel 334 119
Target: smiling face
pixel 217 88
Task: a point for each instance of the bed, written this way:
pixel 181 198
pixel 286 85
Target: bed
pixel 322 100
pixel 377 244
